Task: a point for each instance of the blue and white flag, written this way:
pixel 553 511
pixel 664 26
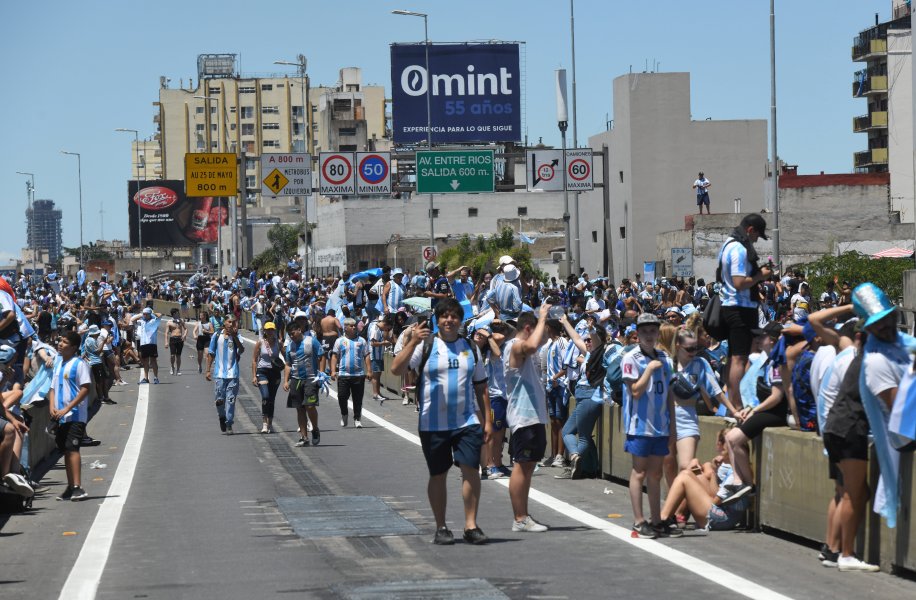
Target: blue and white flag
pixel 525 239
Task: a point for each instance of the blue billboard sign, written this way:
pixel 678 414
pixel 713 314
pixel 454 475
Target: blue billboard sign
pixel 473 90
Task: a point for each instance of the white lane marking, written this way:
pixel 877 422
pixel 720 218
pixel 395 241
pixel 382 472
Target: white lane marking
pixel 84 578
pixel 717 575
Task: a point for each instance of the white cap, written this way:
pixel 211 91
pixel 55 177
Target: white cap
pixel 300 314
pixel 505 260
pixel 510 273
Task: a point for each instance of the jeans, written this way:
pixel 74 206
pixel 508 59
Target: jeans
pixel 226 390
pixel 256 322
pixel 347 386
pixel 268 390
pixel 577 433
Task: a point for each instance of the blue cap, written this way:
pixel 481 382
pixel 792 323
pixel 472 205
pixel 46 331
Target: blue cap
pixel 871 303
pixel 7 354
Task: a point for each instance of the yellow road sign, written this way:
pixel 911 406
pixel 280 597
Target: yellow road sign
pixel 210 174
pixel 276 181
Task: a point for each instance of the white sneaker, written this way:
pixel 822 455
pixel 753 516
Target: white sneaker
pixel 529 525
pixel 343 421
pixel 851 563
pixel 559 461
pixel 308 425
pixel 171 371
pixel 18 484
pixel 406 401
pixel 178 373
pixel 264 428
pixel 357 424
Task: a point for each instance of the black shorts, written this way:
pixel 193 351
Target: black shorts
pixel 100 372
pixel 69 435
pixel 528 444
pixel 460 447
pixel 302 394
pixel 327 343
pixel 149 351
pixel 762 420
pixel 740 321
pixel 176 345
pixel 703 199
pixel 203 342
pixel 853 446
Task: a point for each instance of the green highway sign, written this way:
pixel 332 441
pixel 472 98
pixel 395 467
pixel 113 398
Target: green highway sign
pixel 455 171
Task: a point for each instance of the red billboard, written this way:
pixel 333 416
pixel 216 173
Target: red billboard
pixel 170 219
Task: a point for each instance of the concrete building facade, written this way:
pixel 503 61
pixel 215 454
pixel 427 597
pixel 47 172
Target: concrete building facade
pixel 656 151
pixel 44 232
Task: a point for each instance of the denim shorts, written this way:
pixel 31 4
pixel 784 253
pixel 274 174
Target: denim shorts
pixel 688 424
pixel 377 365
pixel 557 403
pixel 644 446
pixel 498 406
pixel 727 517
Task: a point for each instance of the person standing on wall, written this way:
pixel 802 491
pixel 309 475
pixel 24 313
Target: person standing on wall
pixel 702 185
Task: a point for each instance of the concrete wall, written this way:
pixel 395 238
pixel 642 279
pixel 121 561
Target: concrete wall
pixel 900 122
pixel 656 151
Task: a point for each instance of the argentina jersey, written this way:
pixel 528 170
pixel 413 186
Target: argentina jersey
pixel 496 378
pixel 302 357
pixel 570 362
pixel 556 350
pixel 647 415
pixel 225 357
pixel 376 335
pixel 445 392
pixel 351 356
pixel 66 381
pixel 395 297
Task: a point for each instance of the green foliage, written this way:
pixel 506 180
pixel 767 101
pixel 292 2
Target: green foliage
pixel 284 242
pixel 886 273
pixel 482 254
pixel 90 252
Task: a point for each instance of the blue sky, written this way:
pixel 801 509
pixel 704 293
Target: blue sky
pixel 75 71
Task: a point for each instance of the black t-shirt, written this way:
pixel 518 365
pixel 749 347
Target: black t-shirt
pixel 44 322
pixel 440 286
pixel 847 415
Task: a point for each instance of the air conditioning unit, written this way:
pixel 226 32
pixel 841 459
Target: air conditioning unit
pixel 558 257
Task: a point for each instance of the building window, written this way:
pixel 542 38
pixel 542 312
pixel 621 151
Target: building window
pixel 523 211
pixel 271 126
pixel 250 181
pixel 251 164
pixel 212 110
pixel 297 128
pixel 297 111
pixel 231 126
pixel 199 110
pixel 270 110
pixel 435 213
pixel 232 109
pixel 247 112
pixel 200 127
pixel 214 145
pixel 472 212
pixel 248 89
pixel 248 146
pixel 213 127
pixel 347 132
pixel 214 90
pixel 247 128
pixel 623 233
pixel 595 236
pixel 621 176
pixel 201 145
pixel 266 87
pixel 271 144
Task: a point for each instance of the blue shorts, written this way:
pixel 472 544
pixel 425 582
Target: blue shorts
pixel 688 424
pixel 377 365
pixel 558 403
pixel 727 517
pixel 498 406
pixel 703 199
pixel 644 446
pixel 457 446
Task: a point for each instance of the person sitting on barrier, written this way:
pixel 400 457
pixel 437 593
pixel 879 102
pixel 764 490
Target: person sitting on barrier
pixel 704 489
pixel 12 429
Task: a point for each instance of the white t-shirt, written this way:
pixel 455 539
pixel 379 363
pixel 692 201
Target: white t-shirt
pixel 822 360
pixel 831 387
pixel 882 374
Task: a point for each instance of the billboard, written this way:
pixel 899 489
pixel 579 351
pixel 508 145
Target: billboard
pixel 474 92
pixel 170 219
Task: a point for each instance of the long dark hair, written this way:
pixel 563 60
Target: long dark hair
pixel 594 368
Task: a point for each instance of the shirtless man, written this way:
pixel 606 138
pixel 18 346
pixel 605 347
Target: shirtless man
pixel 330 331
pixel 176 331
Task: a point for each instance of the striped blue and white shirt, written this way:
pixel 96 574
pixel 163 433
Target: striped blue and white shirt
pixel 733 260
pixel 647 415
pixel 66 381
pixel 496 377
pixel 395 297
pixel 351 356
pixel 302 357
pixel 93 350
pixel 375 334
pixel 507 298
pixel 556 350
pixel 445 391
pixel 148 329
pixel 571 362
pixel 225 357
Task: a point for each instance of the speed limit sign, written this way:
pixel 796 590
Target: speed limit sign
pixel 373 173
pixel 579 174
pixel 430 253
pixel 336 174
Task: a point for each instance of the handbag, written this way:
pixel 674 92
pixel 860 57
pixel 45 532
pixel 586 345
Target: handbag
pixel 713 322
pixel 277 364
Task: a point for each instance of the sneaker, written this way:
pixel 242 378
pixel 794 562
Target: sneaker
pixel 559 461
pixel 228 429
pixel 484 474
pixel 529 525
pixel 18 484
pixel 644 531
pixel 444 537
pixel 155 381
pixel 301 443
pixel 830 559
pixel 405 401
pixel 308 426
pixel 38 487
pixel 736 492
pixel 200 369
pixel 357 424
pixel 171 371
pixel 65 495
pixel 108 401
pixel 701 531
pixel 222 424
pixel 505 470
pixel 494 473
pixel 566 474
pixel 851 563
pixel 178 373
pixel 667 528
pixel 316 437
pixel 264 428
pixel 575 463
pixel 475 536
pixel 144 380
pixel 824 550
pixel 546 462
pixel 89 441
pixel 343 420
pixel 77 494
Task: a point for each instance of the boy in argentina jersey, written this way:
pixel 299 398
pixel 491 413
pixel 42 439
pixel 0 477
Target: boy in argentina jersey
pixel 451 378
pixel 647 416
pixel 302 353
pixel 349 365
pixel 68 406
pixel 223 364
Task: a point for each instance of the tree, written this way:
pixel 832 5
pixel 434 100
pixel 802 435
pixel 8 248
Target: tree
pixel 284 243
pixel 482 254
pixel 886 273
pixel 90 252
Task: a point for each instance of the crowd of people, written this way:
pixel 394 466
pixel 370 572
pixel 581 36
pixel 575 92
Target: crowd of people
pixel 495 356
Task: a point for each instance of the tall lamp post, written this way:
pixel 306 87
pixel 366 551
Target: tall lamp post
pixel 30 196
pixel 429 127
pixel 79 173
pixel 139 207
pixel 301 66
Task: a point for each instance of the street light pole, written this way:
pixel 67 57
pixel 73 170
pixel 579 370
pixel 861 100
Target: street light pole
pixel 79 171
pixel 562 123
pixel 774 156
pixel 30 196
pixel 429 127
pixel 302 64
pixel 139 206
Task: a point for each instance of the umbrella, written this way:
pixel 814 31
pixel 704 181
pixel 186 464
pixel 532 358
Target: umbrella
pixel 893 253
pixel 419 303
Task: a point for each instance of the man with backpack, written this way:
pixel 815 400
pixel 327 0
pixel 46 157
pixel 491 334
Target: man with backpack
pixel 452 426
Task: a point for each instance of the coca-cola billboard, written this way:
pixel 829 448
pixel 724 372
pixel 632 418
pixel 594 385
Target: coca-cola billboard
pixel 170 219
